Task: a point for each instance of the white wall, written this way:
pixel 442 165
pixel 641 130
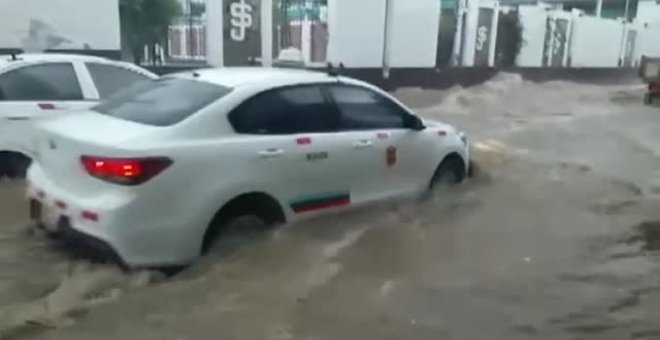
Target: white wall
pixel 414 33
pixel 596 42
pixel 648 11
pixel 648 43
pixel 91 22
pixel 533 21
pixel 357 32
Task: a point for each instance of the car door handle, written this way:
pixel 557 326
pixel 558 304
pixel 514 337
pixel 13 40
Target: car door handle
pixel 363 144
pixel 271 153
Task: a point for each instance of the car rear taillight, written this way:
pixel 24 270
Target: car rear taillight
pixel 125 171
pixel 654 87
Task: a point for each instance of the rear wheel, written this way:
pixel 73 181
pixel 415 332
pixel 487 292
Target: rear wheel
pixel 13 165
pixel 232 226
pixel 244 216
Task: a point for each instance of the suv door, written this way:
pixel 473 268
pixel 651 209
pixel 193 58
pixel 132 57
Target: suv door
pixel 35 90
pixel 291 133
pixel 387 158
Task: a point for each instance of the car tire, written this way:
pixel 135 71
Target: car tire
pixel 449 173
pixel 238 223
pixel 21 165
pixel 13 165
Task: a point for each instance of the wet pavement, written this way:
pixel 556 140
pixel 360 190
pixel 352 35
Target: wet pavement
pixel 558 238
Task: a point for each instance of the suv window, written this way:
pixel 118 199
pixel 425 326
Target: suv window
pixel 52 81
pixel 362 109
pixel 161 102
pixel 301 109
pixel 110 78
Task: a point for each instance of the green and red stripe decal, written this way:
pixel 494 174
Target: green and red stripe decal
pixel 320 202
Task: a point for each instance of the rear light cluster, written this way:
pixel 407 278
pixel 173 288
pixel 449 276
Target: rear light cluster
pixel 125 171
pixel 654 87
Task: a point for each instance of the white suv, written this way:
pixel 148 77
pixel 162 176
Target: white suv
pixel 46 85
pixel 154 175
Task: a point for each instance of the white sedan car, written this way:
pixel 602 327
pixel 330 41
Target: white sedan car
pixel 34 86
pixel 154 175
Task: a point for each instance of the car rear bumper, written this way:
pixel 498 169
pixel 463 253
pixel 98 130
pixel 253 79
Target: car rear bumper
pixel 110 226
pixel 87 246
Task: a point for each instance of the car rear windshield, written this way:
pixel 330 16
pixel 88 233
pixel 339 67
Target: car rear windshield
pixel 161 102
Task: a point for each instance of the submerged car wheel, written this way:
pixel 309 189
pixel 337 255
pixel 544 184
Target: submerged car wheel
pixel 246 215
pixel 449 173
pixel 13 165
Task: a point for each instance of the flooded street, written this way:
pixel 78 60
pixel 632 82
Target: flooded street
pixel 558 237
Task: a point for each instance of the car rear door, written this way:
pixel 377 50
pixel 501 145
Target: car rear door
pixel 291 132
pixel 32 91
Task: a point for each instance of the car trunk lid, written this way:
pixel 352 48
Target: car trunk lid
pixel 62 142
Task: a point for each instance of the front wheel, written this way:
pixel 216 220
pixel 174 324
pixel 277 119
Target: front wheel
pixel 449 173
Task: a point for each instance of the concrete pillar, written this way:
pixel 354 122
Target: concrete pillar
pixel 214 33
pixel 306 39
pixel 493 34
pixel 470 32
pixel 267 34
pixel 387 36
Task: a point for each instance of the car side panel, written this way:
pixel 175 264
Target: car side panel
pixel 17 118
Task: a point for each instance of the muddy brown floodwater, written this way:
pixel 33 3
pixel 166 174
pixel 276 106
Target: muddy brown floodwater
pixel 558 238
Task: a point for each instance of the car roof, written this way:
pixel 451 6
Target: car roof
pixel 246 76
pixel 7 60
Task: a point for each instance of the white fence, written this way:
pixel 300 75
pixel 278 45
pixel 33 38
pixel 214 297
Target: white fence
pixel 596 42
pixel 583 40
pixel 368 33
pixel 404 33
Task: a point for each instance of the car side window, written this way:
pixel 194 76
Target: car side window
pixel 109 79
pixel 51 81
pixel 301 109
pixel 363 109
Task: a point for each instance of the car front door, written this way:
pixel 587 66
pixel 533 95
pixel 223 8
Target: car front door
pixel 299 158
pixel 387 158
pixel 36 90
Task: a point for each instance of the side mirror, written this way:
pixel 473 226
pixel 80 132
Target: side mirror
pixel 414 123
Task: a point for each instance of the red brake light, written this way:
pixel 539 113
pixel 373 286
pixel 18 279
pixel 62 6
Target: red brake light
pixel 654 87
pixel 125 171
